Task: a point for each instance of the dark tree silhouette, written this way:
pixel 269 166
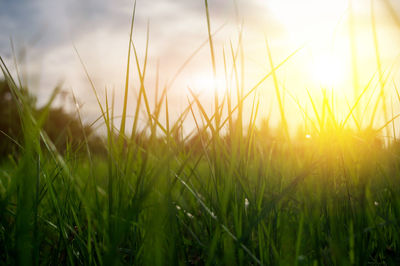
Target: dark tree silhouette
pixel 63 128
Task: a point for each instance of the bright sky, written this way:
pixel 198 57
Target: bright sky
pixel 47 30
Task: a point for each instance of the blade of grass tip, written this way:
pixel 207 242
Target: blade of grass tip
pixel 203 146
pixel 158 123
pixel 167 118
pixel 12 139
pixel 201 133
pixel 221 105
pixel 15 62
pixel 315 110
pixel 159 104
pixel 237 50
pixel 147 48
pixel 331 114
pixel 114 129
pixel 108 118
pixel 251 130
pixel 296 100
pixel 366 107
pixel 353 48
pixel 242 61
pixel 323 109
pixel 387 123
pixel 378 62
pixel 46 108
pixel 142 75
pixel 358 100
pixel 188 157
pixel 393 125
pixel 228 94
pixel 251 120
pixel 215 140
pixel 214 68
pixel 142 91
pixel 86 142
pixel 157 111
pixel 113 110
pixel 234 71
pixel 136 116
pixel 354 118
pixel 157 83
pixel 15 92
pixel 192 55
pixel 123 119
pixel 6 72
pixel 239 122
pixel 203 112
pixel 182 117
pixel 375 109
pixel 270 73
pixel 93 88
pixel 277 91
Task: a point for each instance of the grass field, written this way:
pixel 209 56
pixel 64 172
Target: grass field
pixel 228 193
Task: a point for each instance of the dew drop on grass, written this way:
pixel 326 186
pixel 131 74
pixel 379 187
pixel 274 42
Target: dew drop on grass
pixel 246 203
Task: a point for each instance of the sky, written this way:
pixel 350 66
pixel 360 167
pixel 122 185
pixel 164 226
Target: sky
pixel 44 33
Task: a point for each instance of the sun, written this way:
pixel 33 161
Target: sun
pixel 327 70
pixel 207 84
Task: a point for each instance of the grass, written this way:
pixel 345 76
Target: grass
pixel 227 193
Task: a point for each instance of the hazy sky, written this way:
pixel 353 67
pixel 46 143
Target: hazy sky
pixel 46 31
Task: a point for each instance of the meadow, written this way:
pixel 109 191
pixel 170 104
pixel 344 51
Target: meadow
pixel 232 192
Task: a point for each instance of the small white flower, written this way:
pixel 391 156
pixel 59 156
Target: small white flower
pixel 376 203
pixel 246 203
pixel 213 215
pixel 178 207
pixel 189 215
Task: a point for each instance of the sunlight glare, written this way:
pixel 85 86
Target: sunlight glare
pixel 206 84
pixel 299 17
pixel 327 71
